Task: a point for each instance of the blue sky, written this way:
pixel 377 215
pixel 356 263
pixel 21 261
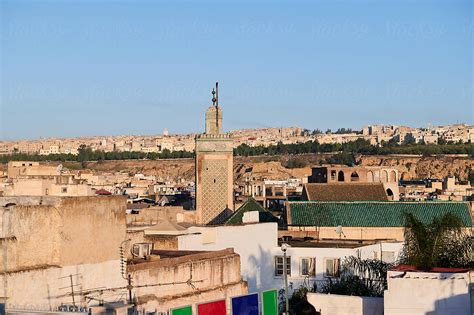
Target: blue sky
pixel 78 68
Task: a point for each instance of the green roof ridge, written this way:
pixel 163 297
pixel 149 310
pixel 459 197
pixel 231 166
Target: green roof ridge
pixel 251 205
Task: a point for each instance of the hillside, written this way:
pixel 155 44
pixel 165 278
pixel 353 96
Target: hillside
pixel 273 167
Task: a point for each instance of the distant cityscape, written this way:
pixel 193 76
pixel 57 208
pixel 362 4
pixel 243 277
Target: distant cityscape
pixel 219 232
pixel 375 134
pixel 106 211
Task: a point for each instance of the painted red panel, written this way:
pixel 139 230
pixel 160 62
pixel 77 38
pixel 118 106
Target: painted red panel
pixel 212 308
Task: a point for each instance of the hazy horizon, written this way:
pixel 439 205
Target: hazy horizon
pixel 82 69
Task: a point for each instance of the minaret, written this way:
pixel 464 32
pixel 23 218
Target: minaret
pixel 214 169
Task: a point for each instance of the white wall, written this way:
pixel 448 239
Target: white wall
pixel 333 304
pixel 45 289
pixel 257 245
pixel 253 242
pixel 428 293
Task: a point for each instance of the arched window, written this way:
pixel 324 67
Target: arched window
pixel 393 176
pixel 370 177
pixel 354 177
pixel 390 194
pixel 384 176
pixel 340 176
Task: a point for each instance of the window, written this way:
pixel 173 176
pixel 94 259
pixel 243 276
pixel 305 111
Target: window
pixel 64 190
pixel 279 266
pixel 278 191
pixel 332 267
pixel 340 176
pixel 354 177
pixel 308 267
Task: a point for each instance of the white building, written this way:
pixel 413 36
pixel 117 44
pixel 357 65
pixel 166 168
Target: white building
pixel 262 259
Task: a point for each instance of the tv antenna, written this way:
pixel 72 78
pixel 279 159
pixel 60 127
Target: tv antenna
pixel 71 286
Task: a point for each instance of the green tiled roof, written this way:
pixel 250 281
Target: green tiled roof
pixel 251 205
pixel 371 214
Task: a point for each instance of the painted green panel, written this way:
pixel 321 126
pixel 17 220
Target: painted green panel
pixel 186 310
pixel 270 304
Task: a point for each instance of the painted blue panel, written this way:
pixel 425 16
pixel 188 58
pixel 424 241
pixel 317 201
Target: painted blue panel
pixel 245 305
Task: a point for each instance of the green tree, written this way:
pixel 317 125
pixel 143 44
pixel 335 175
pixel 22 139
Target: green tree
pixel 470 177
pixel 441 243
pixel 360 277
pixel 342 158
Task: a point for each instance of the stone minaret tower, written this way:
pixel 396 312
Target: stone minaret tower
pixel 214 169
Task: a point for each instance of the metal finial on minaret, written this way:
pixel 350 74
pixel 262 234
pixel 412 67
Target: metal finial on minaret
pixel 217 94
pixel 213 97
pixel 217 107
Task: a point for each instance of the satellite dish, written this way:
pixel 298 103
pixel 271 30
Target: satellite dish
pixel 339 231
pixel 59 169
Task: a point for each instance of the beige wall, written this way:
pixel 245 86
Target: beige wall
pixel 153 215
pixel 216 276
pixel 45 187
pixel 159 242
pixel 358 233
pixel 28 168
pixel 67 231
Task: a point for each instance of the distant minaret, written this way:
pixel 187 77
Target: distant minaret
pixel 214 169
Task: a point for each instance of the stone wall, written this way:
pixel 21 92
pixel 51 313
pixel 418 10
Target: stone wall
pixel 65 231
pixel 162 283
pixel 152 215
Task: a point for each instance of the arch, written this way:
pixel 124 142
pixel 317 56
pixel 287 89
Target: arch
pixel 370 177
pixel 393 177
pixel 389 194
pixel 354 177
pixel 384 176
pixel 340 176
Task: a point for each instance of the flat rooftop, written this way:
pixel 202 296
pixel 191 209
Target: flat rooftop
pixel 168 258
pixel 42 200
pixel 330 243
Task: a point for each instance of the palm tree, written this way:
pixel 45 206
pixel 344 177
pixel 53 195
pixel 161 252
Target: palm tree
pixel 359 277
pixel 441 243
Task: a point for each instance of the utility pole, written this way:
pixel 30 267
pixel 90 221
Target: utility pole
pixel 284 248
pixel 129 288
